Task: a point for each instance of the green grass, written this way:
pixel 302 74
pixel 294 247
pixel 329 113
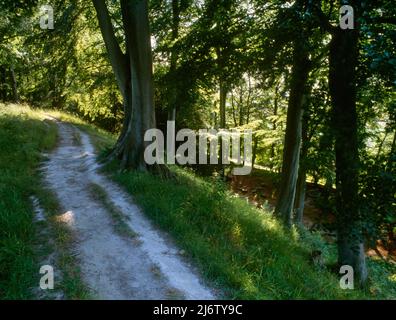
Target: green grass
pixel 60 240
pixel 238 248
pixel 24 135
pixel 241 248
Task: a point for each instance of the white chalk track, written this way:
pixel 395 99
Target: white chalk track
pixel 114 267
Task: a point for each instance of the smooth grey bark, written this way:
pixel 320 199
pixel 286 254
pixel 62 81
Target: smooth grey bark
pixel 300 197
pixel 292 144
pixel 137 32
pixel 301 186
pixel 133 71
pixel 118 59
pixel 119 63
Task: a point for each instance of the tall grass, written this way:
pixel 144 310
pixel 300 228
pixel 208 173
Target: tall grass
pixel 239 248
pixel 23 135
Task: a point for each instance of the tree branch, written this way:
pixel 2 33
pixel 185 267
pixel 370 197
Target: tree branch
pixel 323 20
pixel 118 59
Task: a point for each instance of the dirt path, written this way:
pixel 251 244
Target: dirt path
pixel 114 266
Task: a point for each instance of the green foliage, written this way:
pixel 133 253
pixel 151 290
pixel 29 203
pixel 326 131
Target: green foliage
pixel 378 192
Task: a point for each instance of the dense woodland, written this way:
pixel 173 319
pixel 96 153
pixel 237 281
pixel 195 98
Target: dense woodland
pixel 320 99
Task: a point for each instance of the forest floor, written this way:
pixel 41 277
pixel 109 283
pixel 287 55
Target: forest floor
pixel 121 255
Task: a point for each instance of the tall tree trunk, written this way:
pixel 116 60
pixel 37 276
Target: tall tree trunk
pixel 380 146
pixel 342 84
pixel 240 105
pixel 254 152
pixel 173 59
pixel 248 99
pixel 233 109
pixel 302 175
pixel 392 153
pixel 223 99
pixel 137 32
pixel 300 196
pixel 3 87
pixel 133 72
pixel 222 107
pixel 274 127
pixel 120 65
pixel 14 85
pixel 291 152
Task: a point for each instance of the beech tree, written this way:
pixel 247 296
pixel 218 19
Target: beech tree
pixel 301 66
pixel 343 63
pixel 133 72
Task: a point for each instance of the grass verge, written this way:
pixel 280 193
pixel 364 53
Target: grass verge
pixel 59 243
pixel 238 248
pixel 24 135
pixel 242 248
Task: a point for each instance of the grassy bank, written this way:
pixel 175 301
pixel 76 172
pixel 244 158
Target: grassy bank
pixel 241 248
pixel 23 136
pixel 25 244
pixel 237 247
